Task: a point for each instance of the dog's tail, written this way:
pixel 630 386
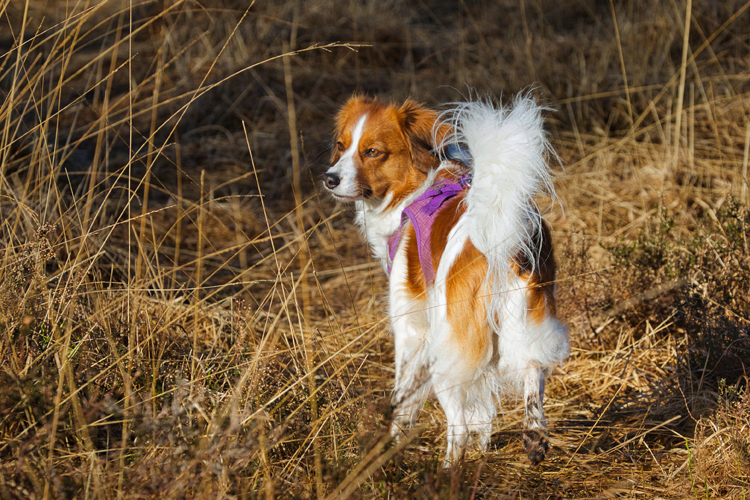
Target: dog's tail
pixel 509 152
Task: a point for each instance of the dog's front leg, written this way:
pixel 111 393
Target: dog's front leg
pixel 413 383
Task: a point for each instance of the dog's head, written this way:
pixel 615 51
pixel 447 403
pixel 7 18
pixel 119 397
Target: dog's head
pixel 382 149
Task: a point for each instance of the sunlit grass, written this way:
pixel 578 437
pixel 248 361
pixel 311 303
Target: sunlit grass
pixel 183 315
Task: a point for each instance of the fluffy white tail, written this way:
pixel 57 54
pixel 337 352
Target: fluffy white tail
pixel 509 150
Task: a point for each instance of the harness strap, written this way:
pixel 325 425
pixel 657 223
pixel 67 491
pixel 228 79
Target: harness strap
pixel 422 213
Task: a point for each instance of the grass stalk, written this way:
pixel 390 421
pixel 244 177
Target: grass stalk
pixel 622 60
pixel 149 165
pixel 198 276
pixel 744 179
pixel 681 86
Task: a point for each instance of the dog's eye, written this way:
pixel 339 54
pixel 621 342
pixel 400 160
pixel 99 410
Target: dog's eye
pixel 372 153
pixel 340 146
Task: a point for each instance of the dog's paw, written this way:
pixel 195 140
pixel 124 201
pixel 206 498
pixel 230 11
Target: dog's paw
pixel 537 445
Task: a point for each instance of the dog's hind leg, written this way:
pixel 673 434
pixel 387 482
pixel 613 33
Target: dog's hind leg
pixel 535 436
pixel 453 401
pixel 530 343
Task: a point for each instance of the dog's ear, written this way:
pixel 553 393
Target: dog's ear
pixel 418 122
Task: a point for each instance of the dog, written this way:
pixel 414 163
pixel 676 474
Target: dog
pixel 446 203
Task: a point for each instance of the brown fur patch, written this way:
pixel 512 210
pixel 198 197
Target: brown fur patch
pixel 414 275
pixel 467 311
pixel 541 282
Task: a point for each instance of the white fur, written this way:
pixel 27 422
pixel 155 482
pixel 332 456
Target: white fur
pixel 520 342
pixel 509 152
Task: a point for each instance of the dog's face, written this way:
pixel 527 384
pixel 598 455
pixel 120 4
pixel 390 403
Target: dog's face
pixel 381 150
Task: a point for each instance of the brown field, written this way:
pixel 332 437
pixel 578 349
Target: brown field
pixel 184 315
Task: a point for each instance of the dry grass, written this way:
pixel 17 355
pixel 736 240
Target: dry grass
pixel 183 315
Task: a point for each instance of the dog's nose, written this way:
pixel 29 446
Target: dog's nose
pixel 331 180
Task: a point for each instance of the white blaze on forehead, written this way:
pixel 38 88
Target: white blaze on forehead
pixel 356 136
pixel 345 167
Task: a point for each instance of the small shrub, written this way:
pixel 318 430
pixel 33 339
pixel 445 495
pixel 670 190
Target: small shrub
pixel 723 445
pixel 702 282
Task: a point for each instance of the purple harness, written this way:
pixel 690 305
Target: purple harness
pixel 422 213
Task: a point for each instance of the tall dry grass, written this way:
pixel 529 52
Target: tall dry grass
pixel 183 315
